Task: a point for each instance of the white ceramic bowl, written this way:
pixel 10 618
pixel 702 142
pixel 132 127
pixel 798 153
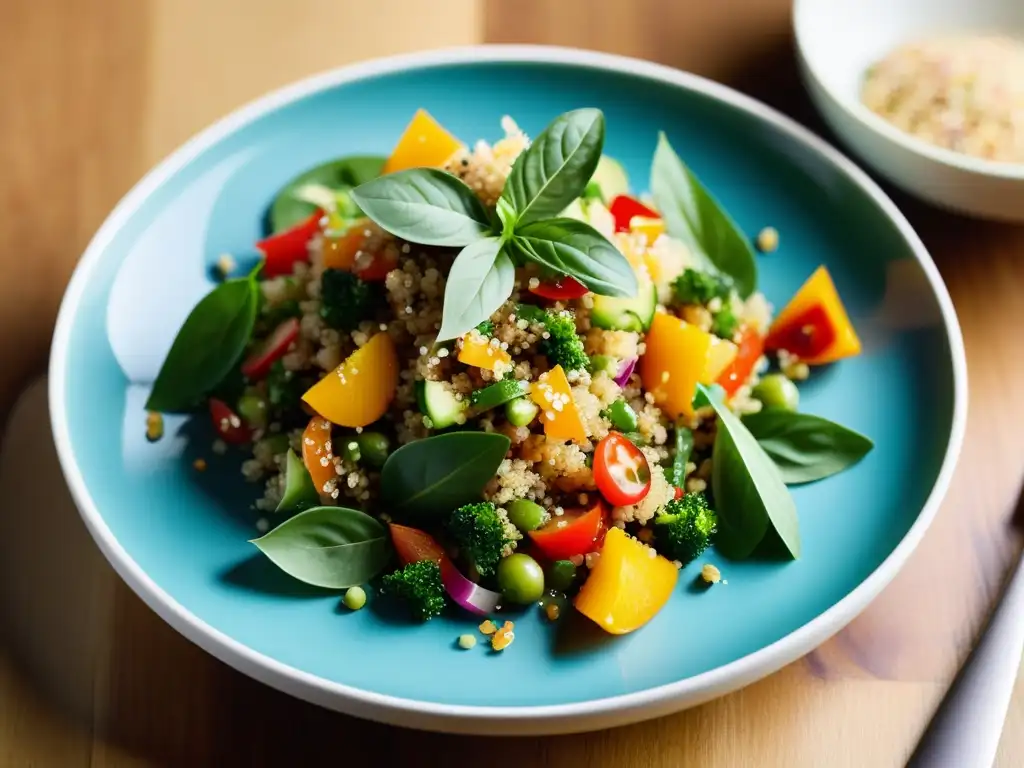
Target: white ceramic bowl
pixel 838 39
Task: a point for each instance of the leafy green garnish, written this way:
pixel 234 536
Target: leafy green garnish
pixel 426 206
pixel 433 476
pixel 480 280
pixel 692 215
pixel 292 206
pixel 207 347
pixel 299 491
pixel 332 547
pixel 748 489
pixel 806 448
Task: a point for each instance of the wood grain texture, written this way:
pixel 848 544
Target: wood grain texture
pixel 96 91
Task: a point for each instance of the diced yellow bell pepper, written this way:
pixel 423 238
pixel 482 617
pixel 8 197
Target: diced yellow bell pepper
pixel 478 351
pixel 674 362
pixel 358 391
pixel 424 144
pixel 819 290
pixel 558 412
pixel 721 353
pixel 627 586
pixel 340 250
pixel 652 229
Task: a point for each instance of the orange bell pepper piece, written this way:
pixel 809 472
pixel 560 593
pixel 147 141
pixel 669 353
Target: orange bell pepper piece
pixel 478 351
pixel 749 351
pixel 676 356
pixel 721 355
pixel 424 144
pixel 358 391
pixel 626 587
pixel 558 412
pixel 317 453
pixel 340 250
pixel 815 321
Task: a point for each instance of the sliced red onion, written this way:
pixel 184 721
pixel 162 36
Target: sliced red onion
pixel 625 371
pixel 468 595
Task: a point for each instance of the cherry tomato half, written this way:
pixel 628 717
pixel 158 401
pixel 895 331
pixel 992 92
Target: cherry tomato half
pixel 229 425
pixel 258 364
pixel 624 208
pixel 413 545
pixel 284 249
pixel 751 347
pixel 621 471
pixel 808 335
pixel 576 532
pixel 562 289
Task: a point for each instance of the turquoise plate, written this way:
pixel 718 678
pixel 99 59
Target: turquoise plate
pixel 179 538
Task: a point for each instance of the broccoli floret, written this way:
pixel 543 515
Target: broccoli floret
pixel 563 346
pixel 419 585
pixel 486 328
pixel 724 322
pixel 693 287
pixel 484 535
pixel 684 527
pixel 283 387
pixel 345 299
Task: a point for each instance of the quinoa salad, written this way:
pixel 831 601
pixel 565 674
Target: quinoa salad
pixel 479 378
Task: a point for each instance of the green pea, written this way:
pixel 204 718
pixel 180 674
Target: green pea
pixel 374 448
pixel 622 416
pixel 777 392
pixel 252 407
pixel 520 412
pixel 526 515
pixel 520 579
pixel 561 575
pixel 355 598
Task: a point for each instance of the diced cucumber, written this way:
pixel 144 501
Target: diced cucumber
pixel 498 393
pixel 611 177
pixel 632 314
pixel 440 404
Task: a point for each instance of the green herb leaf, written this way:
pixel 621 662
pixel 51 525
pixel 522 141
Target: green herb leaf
pixel 804 447
pixel 435 475
pixel 681 456
pixel 207 347
pixel 299 491
pixel 426 206
pixel 555 168
pixel 571 247
pixel 749 492
pixel 332 547
pixel 290 207
pixel 692 215
pixel 481 279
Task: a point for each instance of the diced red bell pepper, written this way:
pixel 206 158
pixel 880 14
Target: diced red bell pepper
pixel 258 364
pixel 378 268
pixel 563 289
pixel 577 532
pixel 749 351
pixel 807 335
pixel 229 425
pixel 283 250
pixel 624 208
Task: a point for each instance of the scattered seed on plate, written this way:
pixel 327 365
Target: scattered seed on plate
pixel 199 465
pixel 767 240
pixel 467 641
pixel 503 638
pixel 710 574
pixel 355 598
pixel 154 426
pixel 487 628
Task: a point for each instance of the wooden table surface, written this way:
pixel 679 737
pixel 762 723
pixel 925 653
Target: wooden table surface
pixel 96 91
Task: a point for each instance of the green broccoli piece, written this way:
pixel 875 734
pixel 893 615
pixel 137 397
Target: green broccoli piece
pixel 530 313
pixel 484 535
pixel 486 328
pixel 419 586
pixel 724 322
pixel 693 287
pixel 345 299
pixel 283 387
pixel 563 346
pixel 684 527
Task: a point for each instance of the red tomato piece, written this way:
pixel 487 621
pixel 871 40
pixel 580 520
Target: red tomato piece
pixel 377 269
pixel 562 289
pixel 624 208
pixel 808 335
pixel 413 545
pixel 576 532
pixel 283 250
pixel 750 349
pixel 621 471
pixel 229 425
pixel 258 364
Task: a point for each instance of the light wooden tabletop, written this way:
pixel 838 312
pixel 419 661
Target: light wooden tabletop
pixel 93 92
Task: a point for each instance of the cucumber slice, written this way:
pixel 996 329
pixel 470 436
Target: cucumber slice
pixel 299 491
pixel 611 177
pixel 617 314
pixel 440 404
pixel 498 393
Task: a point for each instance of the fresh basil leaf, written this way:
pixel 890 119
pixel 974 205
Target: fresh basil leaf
pixel 435 475
pixel 748 489
pixel 290 207
pixel 692 215
pixel 481 279
pixel 574 248
pixel 554 170
pixel 426 206
pixel 299 491
pixel 806 448
pixel 207 347
pixel 332 547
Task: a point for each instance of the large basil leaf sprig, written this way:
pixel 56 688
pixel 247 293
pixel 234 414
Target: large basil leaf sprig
pixel 431 207
pixel 333 180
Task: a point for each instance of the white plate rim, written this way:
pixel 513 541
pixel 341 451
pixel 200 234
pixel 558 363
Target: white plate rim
pixel 505 720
